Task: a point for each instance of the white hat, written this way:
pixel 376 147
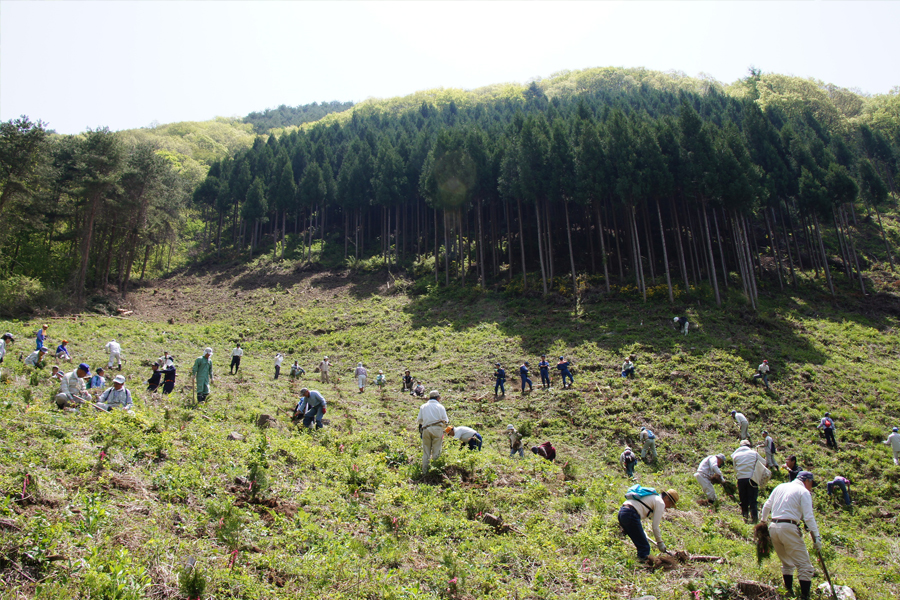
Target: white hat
pixel 675 319
pixel 326 358
pixel 208 351
pixel 509 427
pixel 119 379
pixel 434 394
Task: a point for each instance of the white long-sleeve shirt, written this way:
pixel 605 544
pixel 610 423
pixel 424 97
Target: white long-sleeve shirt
pixel 72 384
pixel 763 368
pixel 113 347
pixel 278 360
pixel 464 434
pixel 432 413
pixel 2 349
pixel 894 441
pixel 745 459
pixel 740 418
pixel 658 505
pixel 709 466
pixel 791 501
pixel 237 352
pixel 113 398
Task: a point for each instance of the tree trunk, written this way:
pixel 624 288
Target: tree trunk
pixel 650 257
pixel 741 257
pixel 753 288
pixel 146 257
pixel 522 245
pixel 616 232
pixel 712 266
pixel 787 243
pixel 636 242
pixel 86 240
pixel 845 248
pixel 481 266
pixel 774 242
pixel 602 247
pixel 680 248
pixel 721 248
pixel 549 246
pixel 571 253
pixel 446 255
pixel 662 237
pixel 537 214
pixel 508 241
pixel 862 285
pixel 437 261
pixel 824 256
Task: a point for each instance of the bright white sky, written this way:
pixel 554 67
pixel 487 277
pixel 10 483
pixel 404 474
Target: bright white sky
pixel 123 65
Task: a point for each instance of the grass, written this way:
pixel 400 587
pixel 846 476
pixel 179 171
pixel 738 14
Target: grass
pixel 124 507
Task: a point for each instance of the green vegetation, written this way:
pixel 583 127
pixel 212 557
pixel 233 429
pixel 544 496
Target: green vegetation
pixel 162 505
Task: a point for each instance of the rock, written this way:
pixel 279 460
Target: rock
pixel 235 436
pixel 842 591
pixel 382 415
pixel 171 321
pixel 266 421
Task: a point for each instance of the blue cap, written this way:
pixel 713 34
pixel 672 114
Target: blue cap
pixel 85 368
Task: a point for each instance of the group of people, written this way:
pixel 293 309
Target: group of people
pixel 524 371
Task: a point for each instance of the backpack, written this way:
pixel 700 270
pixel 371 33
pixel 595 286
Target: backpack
pixel 828 423
pixel 637 491
pixel 630 457
pixel 650 435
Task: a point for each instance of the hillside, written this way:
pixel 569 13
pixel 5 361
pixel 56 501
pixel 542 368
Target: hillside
pixel 109 506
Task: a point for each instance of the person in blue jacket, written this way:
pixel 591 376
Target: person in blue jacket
pixel 544 366
pixel 500 376
pixel 563 367
pixel 523 373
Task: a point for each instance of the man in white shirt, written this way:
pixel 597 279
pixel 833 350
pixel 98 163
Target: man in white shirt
pixel 236 355
pixel 709 469
pixel 743 423
pixel 361 375
pixel 116 397
pixel 324 367
pixel 71 387
pixel 36 358
pixel 769 445
pixel 166 361
pixel 432 419
pixel 762 372
pixel 790 504
pixel 893 441
pixel 466 435
pixel 115 353
pixel 7 338
pixel 745 459
pixel 635 510
pixel 278 360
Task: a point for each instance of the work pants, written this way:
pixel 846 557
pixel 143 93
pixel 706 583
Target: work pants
pixel 629 468
pixel 545 377
pixel 277 371
pixel 629 372
pixel 649 445
pixel 745 430
pixel 748 496
pixel 361 381
pixel 474 442
pixel 324 376
pixel 630 521
pixel 829 438
pixel 499 386
pixel 569 375
pixel 844 488
pixel 788 542
pixel 432 440
pixel 235 365
pixel 115 357
pixel 896 457
pixel 313 413
pixel 770 460
pixel 525 380
pixel 707 486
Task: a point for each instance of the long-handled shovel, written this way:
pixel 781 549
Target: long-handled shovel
pixel 825 570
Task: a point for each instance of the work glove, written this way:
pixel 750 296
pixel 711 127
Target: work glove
pixel 662 548
pixel 817 544
pixel 324 410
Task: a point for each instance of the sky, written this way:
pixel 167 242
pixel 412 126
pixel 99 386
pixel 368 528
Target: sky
pixel 79 65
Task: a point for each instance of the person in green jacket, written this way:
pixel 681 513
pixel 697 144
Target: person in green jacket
pixel 203 374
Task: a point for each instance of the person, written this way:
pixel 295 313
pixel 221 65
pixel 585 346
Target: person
pixel 418 390
pixel 827 427
pixel 648 443
pixel 769 445
pixel 56 375
pixel 324 367
pixel 894 441
pixel 523 373
pixel 792 468
pixel 628 459
pixel 545 450
pixel 789 504
pixel 297 371
pixel 299 410
pixel 432 420
pixel 115 353
pixel 98 381
pixel 5 340
pixel 361 375
pixel 166 361
pixel 118 396
pixel 278 360
pixel 466 435
pixel 743 423
pixel 500 379
pixel 71 387
pixel 634 510
pixel 236 353
pixel 745 459
pixel 762 372
pixel 407 382
pixel 36 359
pixel 155 376
pixel 203 374
pixel 681 324
pixel 628 367
pixel 40 337
pixel 168 379
pixel 844 484
pixel 515 441
pixel 316 406
pixel 708 471
pixel 563 368
pixel 62 353
pixel 379 380
pixel 544 367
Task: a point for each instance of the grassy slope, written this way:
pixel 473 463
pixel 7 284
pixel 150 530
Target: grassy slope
pixel 353 516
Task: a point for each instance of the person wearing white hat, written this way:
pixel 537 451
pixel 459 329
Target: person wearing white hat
pixel 361 375
pixel 743 423
pixel 432 420
pixel 203 374
pixel 118 396
pixel 7 338
pixel 682 324
pixel 279 358
pixel 708 472
pixel 115 353
pixel 515 441
pixel 324 367
pixel 379 380
pixel 894 441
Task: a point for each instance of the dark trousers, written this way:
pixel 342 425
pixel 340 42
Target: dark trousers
pixel 629 467
pixel 844 488
pixel 499 386
pixel 313 414
pixel 629 372
pixel 235 364
pixel 277 371
pixel 475 442
pixel 565 374
pixel 748 495
pixel 528 381
pixel 545 377
pixel 630 521
pixel 829 438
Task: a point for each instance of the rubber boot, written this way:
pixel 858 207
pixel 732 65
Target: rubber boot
pixel 789 585
pixel 805 587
